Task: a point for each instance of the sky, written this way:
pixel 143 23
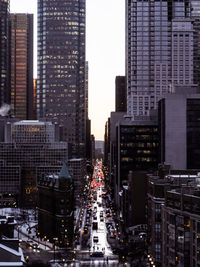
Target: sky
pixel 105 52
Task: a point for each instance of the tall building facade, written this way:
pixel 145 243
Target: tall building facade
pixel 120 94
pixel 159 50
pixel 179 128
pixel 21 43
pixel 61 69
pixel 34 99
pixel 4 52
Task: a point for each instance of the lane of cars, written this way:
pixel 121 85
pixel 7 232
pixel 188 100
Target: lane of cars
pixel 98 216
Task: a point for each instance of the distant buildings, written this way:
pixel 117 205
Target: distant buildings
pixel 21 43
pixel 29 145
pixel 92 138
pixel 10 184
pixel 61 95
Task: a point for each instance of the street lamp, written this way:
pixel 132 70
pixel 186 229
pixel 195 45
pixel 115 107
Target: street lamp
pixel 38 235
pixel 55 239
pixel 45 239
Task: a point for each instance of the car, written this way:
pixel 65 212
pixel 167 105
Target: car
pixel 97 254
pixel 95 225
pixel 95 218
pixel 101 219
pixel 85 229
pixel 96 239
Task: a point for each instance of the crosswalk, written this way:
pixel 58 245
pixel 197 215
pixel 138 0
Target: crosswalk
pixel 101 263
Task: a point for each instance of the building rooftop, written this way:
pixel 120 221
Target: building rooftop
pixel 10 256
pixel 32 122
pixel 64 173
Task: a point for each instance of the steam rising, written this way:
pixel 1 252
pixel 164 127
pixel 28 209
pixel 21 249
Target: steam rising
pixel 4 109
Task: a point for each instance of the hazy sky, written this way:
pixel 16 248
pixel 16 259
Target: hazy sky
pixel 105 51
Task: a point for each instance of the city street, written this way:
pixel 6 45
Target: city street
pixel 93 248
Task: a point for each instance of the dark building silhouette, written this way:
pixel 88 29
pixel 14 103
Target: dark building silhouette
pixel 137 147
pixel 21 43
pixel 4 53
pixel 34 99
pixel 11 253
pixel 133 200
pixel 7 226
pixel 61 69
pixel 56 198
pixel 92 138
pixel 88 141
pixel 107 144
pixel 120 94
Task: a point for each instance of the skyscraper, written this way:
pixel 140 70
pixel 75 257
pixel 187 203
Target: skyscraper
pixel 22 65
pixel 4 52
pixel 61 69
pixel 159 50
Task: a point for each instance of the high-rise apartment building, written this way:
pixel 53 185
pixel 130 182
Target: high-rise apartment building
pixel 159 50
pixel 4 52
pixel 195 13
pixel 21 43
pixel 61 69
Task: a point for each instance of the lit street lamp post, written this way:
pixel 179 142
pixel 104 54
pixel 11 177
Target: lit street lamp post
pixel 55 239
pixel 45 239
pixel 38 235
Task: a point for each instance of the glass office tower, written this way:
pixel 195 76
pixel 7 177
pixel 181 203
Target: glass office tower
pixel 4 52
pixel 160 42
pixel 61 69
pixel 21 43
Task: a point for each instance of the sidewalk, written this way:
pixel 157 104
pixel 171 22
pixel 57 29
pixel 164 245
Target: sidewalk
pixel 44 245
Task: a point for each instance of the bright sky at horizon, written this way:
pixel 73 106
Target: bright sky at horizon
pixel 105 52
